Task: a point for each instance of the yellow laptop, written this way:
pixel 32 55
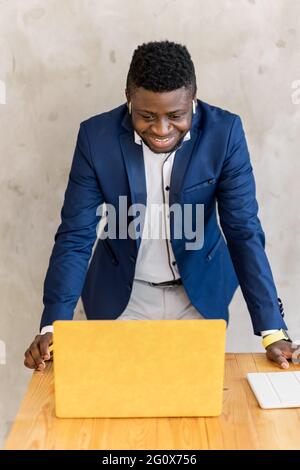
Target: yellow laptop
pixel 138 368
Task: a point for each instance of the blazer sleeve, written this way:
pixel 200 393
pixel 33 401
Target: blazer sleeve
pixel 238 211
pixel 74 238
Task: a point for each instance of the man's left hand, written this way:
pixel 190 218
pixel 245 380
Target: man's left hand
pixel 280 352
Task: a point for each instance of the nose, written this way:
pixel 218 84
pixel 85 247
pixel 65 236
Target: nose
pixel 161 128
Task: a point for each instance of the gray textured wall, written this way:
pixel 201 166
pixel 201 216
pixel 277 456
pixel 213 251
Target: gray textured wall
pixel 62 61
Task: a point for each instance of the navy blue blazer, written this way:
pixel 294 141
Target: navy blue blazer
pixel 212 168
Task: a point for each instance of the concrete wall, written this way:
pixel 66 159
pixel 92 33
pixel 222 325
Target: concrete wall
pixel 62 61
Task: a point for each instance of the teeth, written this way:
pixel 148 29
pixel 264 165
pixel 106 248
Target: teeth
pixel 162 140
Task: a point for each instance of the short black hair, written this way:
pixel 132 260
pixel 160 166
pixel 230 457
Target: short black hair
pixel 161 66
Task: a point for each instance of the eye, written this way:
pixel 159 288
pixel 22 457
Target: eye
pixel 175 116
pixel 148 118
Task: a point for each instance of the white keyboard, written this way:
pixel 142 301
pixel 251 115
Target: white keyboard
pixel 276 389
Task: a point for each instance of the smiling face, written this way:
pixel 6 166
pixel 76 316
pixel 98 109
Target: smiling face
pixel 161 119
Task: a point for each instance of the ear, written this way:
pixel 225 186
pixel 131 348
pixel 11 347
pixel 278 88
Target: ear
pixel 127 95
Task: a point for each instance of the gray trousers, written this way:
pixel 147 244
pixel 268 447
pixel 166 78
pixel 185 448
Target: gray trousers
pixel 159 303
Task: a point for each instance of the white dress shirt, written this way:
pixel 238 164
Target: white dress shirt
pixel 155 261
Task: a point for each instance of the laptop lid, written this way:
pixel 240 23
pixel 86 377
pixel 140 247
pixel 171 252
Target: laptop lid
pixel 144 368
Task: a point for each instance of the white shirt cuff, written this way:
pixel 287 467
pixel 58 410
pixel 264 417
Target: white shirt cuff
pixel 47 329
pixel 267 332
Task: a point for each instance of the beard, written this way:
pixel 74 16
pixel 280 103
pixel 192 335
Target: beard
pixel 173 149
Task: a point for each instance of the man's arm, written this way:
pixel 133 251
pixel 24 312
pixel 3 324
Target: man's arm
pixel 238 209
pixel 74 238
pixel 74 241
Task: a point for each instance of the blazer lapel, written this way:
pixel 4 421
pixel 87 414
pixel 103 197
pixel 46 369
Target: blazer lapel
pixel 135 168
pixel 182 158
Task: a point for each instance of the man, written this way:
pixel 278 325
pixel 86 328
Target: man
pixel 164 147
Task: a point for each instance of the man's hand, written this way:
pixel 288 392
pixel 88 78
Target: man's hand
pixel 280 352
pixel 38 352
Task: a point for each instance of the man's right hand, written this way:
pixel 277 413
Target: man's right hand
pixel 38 352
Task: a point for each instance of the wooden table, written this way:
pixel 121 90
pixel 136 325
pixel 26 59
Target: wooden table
pixel 242 425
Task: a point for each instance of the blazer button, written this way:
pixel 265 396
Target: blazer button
pixel 129 286
pixel 132 258
pixel 210 181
